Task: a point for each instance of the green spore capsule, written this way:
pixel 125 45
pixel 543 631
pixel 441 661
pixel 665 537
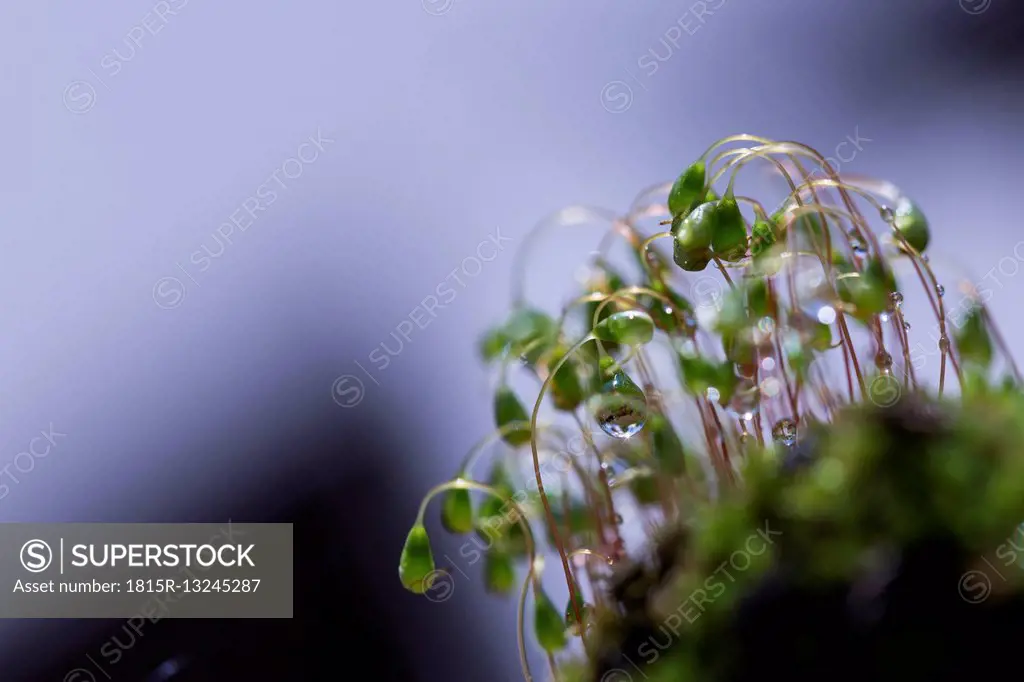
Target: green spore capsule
pixel 628 327
pixel 687 189
pixel 548 625
pixel 529 332
pixel 566 387
pixel 674 317
pixel 762 238
pixel 573 626
pixel 867 291
pixel 492 344
pixel 498 525
pixel 508 410
pixel 416 565
pixel 973 340
pixel 729 240
pixel 457 511
pixel 692 235
pixel 499 572
pixel 666 446
pixel 911 223
pixel 621 407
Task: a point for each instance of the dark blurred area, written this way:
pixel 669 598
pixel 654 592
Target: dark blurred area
pixel 359 474
pixel 348 612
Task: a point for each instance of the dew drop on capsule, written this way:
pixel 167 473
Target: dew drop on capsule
pixel 784 432
pixel 621 407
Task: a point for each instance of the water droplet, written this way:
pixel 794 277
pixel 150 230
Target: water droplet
pixel 619 520
pixel 883 360
pixel 924 257
pixel 906 326
pixel 944 343
pixel 888 215
pixel 621 407
pixel 884 317
pixel 859 250
pixel 771 387
pixel 895 300
pixel 940 290
pixel 745 400
pixel 689 323
pixel 784 432
pixel 826 314
pixel 712 394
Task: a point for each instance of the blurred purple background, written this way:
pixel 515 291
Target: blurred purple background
pixel 196 341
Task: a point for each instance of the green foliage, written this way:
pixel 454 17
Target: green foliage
pixel 796 340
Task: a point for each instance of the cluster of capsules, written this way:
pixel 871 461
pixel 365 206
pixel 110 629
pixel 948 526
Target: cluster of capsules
pixel 806 314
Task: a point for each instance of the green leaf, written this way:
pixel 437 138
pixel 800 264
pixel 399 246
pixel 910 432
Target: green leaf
pixel 687 189
pixel 548 625
pixel 457 511
pixel 416 565
pixel 628 327
pixel 507 410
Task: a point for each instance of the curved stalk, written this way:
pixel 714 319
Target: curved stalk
pixel 531 577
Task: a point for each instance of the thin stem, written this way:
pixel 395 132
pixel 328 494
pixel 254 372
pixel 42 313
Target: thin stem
pixel 552 524
pixel 602 476
pixel 531 578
